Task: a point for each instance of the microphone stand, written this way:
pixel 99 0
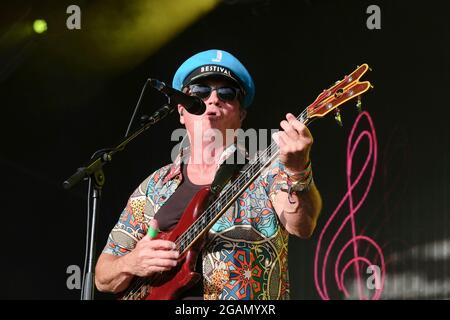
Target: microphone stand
pixel 94 172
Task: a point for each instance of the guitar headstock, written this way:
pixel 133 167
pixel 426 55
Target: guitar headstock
pixel 344 90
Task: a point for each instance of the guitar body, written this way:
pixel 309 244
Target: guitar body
pixel 170 284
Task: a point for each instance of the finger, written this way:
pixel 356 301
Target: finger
pixel 290 131
pixel 147 272
pixel 301 129
pixel 293 121
pixel 154 269
pixel 163 254
pixel 161 245
pixel 284 139
pixel 276 138
pixel 159 262
pixel 290 117
pixel 154 224
pixel 153 228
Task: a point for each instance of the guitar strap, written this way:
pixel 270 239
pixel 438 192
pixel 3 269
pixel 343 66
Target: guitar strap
pixel 227 172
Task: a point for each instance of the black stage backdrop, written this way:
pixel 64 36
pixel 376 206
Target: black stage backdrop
pixel 63 96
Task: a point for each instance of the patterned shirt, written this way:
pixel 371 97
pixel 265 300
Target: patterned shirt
pixel 246 253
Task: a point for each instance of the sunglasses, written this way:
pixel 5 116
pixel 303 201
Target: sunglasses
pixel 202 91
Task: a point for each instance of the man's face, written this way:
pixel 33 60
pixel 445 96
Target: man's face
pixel 220 114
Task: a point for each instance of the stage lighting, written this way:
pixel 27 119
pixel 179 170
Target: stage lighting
pixel 39 26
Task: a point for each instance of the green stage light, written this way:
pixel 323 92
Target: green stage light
pixel 40 26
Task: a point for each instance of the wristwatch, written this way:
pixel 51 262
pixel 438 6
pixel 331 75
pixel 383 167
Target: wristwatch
pixel 301 185
pixel 302 180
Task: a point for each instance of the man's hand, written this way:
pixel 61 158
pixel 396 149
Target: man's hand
pixel 294 142
pixel 151 256
pixel 114 274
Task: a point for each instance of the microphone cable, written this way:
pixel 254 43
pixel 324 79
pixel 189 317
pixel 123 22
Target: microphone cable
pixel 136 108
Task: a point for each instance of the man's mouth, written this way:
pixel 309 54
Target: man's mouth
pixel 212 114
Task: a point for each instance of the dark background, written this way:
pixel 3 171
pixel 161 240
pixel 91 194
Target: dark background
pixel 61 100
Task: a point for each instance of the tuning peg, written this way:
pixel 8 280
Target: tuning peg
pixel 359 104
pixel 337 117
pixel 333 85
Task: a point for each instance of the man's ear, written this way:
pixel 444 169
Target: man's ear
pixel 243 114
pixel 181 112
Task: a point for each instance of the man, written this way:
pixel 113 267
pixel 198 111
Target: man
pixel 245 255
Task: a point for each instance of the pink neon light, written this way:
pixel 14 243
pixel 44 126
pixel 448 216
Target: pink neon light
pixel 340 277
pixel 371 159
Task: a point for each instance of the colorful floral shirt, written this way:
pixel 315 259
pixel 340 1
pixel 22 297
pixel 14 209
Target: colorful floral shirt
pixel 246 254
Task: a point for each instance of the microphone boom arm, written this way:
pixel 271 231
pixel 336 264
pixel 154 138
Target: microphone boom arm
pixel 105 156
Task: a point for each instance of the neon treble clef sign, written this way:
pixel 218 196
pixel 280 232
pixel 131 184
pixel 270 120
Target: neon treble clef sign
pixel 351 247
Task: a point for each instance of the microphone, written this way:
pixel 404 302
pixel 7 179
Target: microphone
pixel 193 105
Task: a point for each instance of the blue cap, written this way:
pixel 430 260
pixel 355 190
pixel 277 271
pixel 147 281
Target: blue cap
pixel 215 62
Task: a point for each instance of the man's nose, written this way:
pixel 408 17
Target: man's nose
pixel 213 98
